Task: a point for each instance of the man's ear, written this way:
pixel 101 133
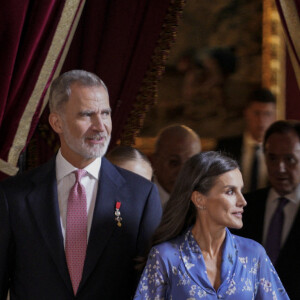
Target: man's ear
pixel 55 122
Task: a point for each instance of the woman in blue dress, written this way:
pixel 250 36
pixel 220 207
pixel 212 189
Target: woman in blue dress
pixel 194 255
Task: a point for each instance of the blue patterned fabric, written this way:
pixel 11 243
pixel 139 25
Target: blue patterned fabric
pixel 176 270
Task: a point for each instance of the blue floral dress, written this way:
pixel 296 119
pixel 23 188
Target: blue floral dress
pixel 176 270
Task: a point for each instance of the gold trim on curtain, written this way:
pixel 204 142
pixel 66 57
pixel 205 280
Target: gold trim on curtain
pixel 60 36
pixel 7 168
pixel 147 95
pixel 273 56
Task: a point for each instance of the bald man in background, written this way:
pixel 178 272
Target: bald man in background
pixel 174 145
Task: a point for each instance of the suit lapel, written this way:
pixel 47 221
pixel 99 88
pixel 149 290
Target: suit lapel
pixel 260 214
pixel 43 204
pixel 103 223
pixel 255 214
pixel 293 240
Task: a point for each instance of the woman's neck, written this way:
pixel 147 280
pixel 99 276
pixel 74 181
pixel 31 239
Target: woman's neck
pixel 210 240
pixel 211 243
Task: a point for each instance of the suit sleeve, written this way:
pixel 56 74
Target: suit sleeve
pixel 5 246
pixel 150 220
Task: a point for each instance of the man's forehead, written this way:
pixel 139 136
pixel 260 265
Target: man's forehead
pixel 283 148
pixel 261 105
pixel 85 95
pixel 178 151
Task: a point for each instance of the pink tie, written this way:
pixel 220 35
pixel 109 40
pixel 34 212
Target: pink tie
pixel 76 232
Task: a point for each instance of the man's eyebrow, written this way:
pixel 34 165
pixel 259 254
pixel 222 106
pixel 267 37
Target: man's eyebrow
pixel 87 111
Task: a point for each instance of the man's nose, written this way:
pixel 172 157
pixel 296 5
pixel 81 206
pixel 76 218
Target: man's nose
pixel 281 166
pixel 98 123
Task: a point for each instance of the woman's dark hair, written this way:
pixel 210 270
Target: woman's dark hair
pixel 199 173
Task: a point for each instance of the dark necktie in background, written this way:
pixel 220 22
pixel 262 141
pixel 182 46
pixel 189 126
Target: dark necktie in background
pixel 254 169
pixel 275 230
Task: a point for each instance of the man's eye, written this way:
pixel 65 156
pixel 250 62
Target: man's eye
pixel 106 113
pixel 272 158
pixel 291 160
pixel 174 163
pixel 85 114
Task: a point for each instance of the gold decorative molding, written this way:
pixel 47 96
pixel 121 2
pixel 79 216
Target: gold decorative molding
pixel 274 55
pixel 292 20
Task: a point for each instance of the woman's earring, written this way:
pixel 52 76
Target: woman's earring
pixel 202 207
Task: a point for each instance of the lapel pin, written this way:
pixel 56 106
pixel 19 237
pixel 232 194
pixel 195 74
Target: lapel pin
pixel 118 217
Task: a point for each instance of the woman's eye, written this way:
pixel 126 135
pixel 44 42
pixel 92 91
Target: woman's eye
pixel 229 192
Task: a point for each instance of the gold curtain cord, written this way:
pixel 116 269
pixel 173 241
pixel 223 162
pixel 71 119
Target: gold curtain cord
pixel 147 95
pixel 67 24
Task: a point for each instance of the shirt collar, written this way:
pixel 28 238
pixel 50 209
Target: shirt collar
pixel 293 197
pixel 249 140
pixel 64 168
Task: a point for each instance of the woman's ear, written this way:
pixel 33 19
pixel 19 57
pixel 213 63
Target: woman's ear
pixel 55 122
pixel 199 200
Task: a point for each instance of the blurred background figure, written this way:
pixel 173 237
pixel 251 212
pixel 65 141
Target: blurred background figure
pixel 259 114
pixel 131 159
pixel 272 215
pixel 205 79
pixel 174 145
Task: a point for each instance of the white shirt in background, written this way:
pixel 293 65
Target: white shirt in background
pixel 290 210
pixel 246 163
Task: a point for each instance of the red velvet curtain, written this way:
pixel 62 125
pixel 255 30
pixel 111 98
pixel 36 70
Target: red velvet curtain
pixel 116 39
pixel 27 31
pixel 124 42
pixel 289 11
pixel 125 45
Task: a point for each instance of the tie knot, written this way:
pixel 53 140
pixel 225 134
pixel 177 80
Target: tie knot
pixel 256 147
pixel 282 202
pixel 79 174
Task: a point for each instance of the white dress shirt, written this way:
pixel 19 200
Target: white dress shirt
pixel 65 181
pixel 290 210
pixel 246 163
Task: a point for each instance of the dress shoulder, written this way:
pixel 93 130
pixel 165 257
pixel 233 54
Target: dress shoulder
pixel 168 252
pixel 249 246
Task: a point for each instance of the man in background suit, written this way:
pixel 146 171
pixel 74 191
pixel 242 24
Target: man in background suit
pixel 259 114
pixel 175 144
pixel 282 152
pixel 67 238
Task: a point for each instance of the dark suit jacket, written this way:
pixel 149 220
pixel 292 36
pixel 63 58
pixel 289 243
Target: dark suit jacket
pixel 32 256
pixel 288 263
pixel 231 146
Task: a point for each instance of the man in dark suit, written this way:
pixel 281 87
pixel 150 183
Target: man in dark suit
pixel 259 113
pixel 272 215
pixel 72 228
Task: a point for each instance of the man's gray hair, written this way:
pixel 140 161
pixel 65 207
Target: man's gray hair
pixel 60 90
